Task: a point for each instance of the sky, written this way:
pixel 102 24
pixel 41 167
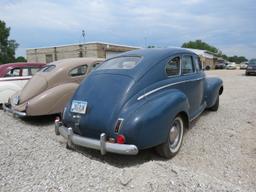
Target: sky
pixel 228 25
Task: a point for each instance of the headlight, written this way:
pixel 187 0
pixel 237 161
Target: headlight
pixel 249 67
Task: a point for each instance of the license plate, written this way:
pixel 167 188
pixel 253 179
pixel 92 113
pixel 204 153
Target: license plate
pixel 78 106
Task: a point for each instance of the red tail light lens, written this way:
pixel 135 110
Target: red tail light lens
pixel 120 139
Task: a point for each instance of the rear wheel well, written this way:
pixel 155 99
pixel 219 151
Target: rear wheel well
pixel 221 90
pixel 185 118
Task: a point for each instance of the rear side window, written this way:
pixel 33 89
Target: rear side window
pixel 16 72
pixel 198 64
pixel 187 65
pixel 47 68
pixel 78 71
pixel 173 67
pixel 120 63
pixel 33 70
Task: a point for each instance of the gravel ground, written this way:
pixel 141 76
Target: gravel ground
pixel 218 153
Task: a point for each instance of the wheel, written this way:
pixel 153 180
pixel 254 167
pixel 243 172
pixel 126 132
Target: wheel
pixel 247 73
pixel 173 143
pixel 216 105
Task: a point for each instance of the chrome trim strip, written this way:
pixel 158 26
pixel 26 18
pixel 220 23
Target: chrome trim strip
pixel 9 110
pixel 165 86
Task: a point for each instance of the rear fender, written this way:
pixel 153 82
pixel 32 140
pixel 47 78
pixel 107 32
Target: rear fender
pixel 149 124
pixel 51 101
pixel 213 90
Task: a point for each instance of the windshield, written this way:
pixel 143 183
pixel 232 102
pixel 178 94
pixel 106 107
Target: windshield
pixel 252 62
pixel 120 63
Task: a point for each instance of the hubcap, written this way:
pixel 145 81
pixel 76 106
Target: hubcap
pixel 175 134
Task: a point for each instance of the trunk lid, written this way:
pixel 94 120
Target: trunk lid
pixel 105 95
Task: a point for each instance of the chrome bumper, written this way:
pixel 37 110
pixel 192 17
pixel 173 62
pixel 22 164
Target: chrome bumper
pixel 102 145
pixel 14 112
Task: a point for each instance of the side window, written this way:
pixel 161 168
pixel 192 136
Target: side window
pixel 173 67
pixel 16 72
pixel 33 70
pixel 78 71
pixel 198 64
pixel 187 65
pixel 25 72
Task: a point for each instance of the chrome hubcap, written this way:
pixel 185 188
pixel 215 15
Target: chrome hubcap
pixel 174 134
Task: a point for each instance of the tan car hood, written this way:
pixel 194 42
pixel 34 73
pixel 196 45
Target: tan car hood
pixel 34 87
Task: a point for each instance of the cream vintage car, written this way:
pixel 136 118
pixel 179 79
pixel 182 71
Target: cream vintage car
pixel 49 89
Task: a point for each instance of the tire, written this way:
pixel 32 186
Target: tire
pixel 173 143
pixel 247 73
pixel 215 107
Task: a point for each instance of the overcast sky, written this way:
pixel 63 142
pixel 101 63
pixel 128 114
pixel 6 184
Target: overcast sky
pixel 229 25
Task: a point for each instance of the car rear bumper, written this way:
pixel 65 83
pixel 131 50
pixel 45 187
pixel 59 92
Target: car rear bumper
pixel 8 108
pixel 102 145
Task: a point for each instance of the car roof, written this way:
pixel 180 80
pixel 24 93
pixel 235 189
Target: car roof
pixel 66 63
pixel 151 57
pixel 20 64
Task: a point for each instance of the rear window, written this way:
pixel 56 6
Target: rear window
pixel 47 68
pixel 78 71
pixel 120 63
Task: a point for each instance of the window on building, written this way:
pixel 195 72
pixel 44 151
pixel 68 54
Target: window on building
pixel 49 58
pixel 187 65
pixel 78 71
pixel 173 67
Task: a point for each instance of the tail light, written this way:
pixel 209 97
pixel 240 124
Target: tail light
pixel 119 124
pixel 120 139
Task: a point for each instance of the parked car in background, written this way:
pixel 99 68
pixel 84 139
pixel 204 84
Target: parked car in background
pixel 14 76
pixel 138 100
pixel 220 66
pixel 231 66
pixel 251 68
pixel 243 65
pixel 50 89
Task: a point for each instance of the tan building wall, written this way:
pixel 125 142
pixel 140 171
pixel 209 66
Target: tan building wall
pixel 101 50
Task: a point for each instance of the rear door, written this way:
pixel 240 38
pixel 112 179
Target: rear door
pixel 192 83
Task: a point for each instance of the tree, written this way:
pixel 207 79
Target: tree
pixel 7 47
pixel 20 59
pixel 199 44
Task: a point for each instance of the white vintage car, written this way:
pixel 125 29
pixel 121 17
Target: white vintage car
pixel 14 76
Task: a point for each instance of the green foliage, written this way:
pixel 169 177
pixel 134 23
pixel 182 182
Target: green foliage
pixel 20 59
pixel 7 47
pixel 199 44
pixel 237 59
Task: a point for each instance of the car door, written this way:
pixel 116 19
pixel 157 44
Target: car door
pixel 191 84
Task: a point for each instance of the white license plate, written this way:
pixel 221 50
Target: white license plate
pixel 78 106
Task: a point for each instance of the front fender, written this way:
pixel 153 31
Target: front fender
pixel 149 124
pixel 214 87
pixel 51 101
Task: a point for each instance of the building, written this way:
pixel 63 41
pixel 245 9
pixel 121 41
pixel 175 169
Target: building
pixel 90 49
pixel 208 58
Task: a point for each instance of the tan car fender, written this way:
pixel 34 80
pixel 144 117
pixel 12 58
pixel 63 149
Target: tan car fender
pixel 51 101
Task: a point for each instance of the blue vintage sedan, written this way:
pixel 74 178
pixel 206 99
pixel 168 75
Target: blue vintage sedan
pixel 138 100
